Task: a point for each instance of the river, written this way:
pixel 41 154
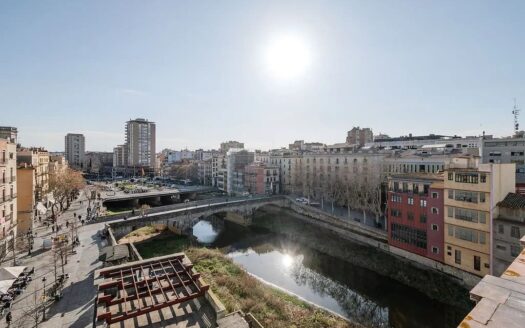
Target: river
pixel 350 290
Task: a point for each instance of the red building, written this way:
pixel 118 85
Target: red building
pixel 415 214
pixel 261 178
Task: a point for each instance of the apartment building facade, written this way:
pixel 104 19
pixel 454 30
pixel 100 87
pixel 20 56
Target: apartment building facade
pixel 75 144
pixel 509 228
pixel 415 214
pixel 140 143
pixel 26 183
pixel 236 161
pixel 359 136
pixel 472 191
pixel 8 191
pixel 39 159
pixel 261 178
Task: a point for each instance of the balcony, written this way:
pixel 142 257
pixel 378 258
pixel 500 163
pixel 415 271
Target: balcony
pixel 7 180
pixel 7 198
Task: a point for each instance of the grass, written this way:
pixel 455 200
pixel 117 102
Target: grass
pixel 240 291
pixel 163 244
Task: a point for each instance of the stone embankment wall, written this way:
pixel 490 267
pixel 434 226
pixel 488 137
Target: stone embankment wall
pixel 354 231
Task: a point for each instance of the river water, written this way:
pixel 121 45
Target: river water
pixel 349 290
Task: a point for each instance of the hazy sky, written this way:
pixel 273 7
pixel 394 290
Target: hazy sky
pixel 198 69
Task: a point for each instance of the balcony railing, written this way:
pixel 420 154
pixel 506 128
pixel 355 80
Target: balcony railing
pixel 7 180
pixel 7 198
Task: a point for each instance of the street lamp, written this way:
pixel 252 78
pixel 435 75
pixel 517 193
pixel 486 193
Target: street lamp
pixel 44 300
pixel 29 241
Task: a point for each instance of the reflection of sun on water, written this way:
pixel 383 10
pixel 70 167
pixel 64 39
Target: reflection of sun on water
pixel 287 261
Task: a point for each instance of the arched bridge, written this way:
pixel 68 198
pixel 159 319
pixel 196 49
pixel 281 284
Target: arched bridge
pixel 180 220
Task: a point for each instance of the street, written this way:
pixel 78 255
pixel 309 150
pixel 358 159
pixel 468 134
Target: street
pixel 75 307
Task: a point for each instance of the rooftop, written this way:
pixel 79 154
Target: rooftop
pixel 163 291
pixel 500 301
pixel 513 200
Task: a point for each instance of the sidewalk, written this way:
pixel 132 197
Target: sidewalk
pixel 75 309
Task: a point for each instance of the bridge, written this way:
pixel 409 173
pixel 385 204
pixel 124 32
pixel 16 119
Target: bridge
pixel 181 219
pixel 156 196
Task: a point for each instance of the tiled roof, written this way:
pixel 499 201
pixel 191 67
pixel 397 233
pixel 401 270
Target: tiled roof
pixel 513 200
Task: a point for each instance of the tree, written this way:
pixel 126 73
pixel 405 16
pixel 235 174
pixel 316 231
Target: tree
pixel 65 186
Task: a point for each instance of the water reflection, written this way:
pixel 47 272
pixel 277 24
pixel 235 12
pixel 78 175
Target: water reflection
pixel 349 290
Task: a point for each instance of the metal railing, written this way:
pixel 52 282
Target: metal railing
pixel 7 180
pixel 7 198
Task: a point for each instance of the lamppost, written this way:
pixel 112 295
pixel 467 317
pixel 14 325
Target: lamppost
pixel 44 300
pixel 30 240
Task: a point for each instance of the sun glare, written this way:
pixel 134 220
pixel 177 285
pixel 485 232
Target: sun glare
pixel 287 261
pixel 287 57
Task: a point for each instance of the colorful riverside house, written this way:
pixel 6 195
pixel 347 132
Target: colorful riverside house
pixel 415 214
pixel 472 192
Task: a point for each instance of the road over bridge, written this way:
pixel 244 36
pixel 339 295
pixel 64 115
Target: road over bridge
pixel 241 211
pixel 180 193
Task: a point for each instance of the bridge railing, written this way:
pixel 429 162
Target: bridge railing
pixel 180 206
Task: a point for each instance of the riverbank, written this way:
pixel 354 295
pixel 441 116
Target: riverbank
pixel 435 285
pixel 240 291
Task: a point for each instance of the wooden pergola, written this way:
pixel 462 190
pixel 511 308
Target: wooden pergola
pixel 137 288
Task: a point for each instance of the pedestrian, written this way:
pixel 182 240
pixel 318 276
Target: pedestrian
pixel 52 228
pixel 74 214
pixel 40 219
pixel 82 221
pixel 67 224
pixel 8 318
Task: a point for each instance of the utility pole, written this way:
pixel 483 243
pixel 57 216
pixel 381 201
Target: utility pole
pixel 516 112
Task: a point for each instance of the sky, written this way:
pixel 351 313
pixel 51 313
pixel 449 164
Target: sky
pixel 199 69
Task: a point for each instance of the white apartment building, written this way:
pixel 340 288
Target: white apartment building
pixel 75 150
pixel 140 142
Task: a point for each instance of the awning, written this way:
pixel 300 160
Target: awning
pixel 11 272
pixel 41 208
pixel 5 285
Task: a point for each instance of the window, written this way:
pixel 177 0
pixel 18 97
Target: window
pixel 450 211
pixel 451 176
pixel 435 210
pixel 477 263
pixel 423 203
pixel 410 201
pixel 457 256
pixel 435 250
pixel 466 196
pixel 483 178
pixel 423 218
pixel 450 194
pixel 408 235
pixel 435 227
pixel 514 250
pixel 466 177
pixel 501 229
pixel 481 197
pixel 501 247
pixel 434 195
pixel 515 232
pixel 395 212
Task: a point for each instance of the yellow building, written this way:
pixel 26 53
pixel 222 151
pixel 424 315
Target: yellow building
pixel 472 191
pixel 26 198
pixel 39 159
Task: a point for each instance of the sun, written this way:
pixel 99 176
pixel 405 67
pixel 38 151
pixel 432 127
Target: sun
pixel 287 57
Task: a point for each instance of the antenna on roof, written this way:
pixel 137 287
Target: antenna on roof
pixel 516 112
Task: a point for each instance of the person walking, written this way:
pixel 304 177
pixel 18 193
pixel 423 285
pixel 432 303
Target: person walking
pixel 8 319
